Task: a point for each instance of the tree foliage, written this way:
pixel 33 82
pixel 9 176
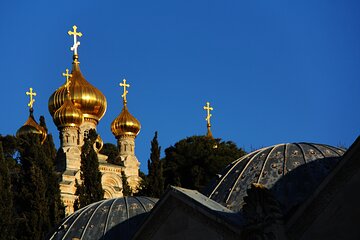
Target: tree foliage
pixel 111 151
pixel 32 203
pixel 37 203
pixel 126 189
pixel 263 214
pixel 141 189
pixel 48 145
pixel 6 199
pixel 90 189
pixel 155 178
pixel 194 161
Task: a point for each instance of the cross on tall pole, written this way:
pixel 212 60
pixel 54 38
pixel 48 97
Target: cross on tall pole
pixel 76 43
pixel 32 100
pixel 67 75
pixel 123 84
pixel 208 115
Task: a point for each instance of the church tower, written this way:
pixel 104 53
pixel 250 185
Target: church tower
pixel 68 120
pixel 88 99
pixel 77 107
pixel 125 129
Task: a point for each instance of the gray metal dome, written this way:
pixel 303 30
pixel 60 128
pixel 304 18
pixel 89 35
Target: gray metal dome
pixel 117 218
pixel 291 171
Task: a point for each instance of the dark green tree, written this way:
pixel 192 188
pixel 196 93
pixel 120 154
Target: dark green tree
pixel 57 210
pixel 6 199
pixel 48 145
pixel 263 215
pixel 90 189
pixel 155 178
pixel 194 161
pixel 111 151
pixel 11 155
pixel 126 189
pixel 141 189
pixel 33 210
pixel 9 148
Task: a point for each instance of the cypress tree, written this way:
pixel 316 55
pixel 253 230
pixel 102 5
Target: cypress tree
pixel 32 203
pixel 111 151
pixel 142 188
pixel 90 189
pixel 48 145
pixel 10 153
pixel 126 189
pixel 155 179
pixel 6 199
pixel 57 211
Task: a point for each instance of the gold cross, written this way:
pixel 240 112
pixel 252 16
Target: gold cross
pixel 123 84
pixel 76 43
pixel 67 75
pixel 32 100
pixel 208 109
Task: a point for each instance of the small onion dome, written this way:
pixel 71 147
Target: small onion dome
pixel 31 126
pixel 88 99
pixel 125 124
pixel 68 115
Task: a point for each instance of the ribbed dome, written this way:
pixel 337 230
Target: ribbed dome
pixel 125 124
pixel 117 218
pixel 68 115
pixel 88 99
pixel 273 167
pixel 31 126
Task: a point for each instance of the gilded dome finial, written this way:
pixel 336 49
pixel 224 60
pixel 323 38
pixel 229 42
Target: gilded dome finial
pixel 32 100
pixel 208 116
pixel 76 42
pixel 67 85
pixel 123 84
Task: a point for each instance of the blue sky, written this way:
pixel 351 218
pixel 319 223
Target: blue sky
pixel 274 71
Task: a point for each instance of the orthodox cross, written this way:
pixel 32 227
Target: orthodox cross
pixel 123 84
pixel 67 75
pixel 208 109
pixel 32 100
pixel 76 43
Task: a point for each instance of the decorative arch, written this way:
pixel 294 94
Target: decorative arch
pixel 112 185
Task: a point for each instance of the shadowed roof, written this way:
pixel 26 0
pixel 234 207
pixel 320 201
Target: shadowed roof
pixel 268 165
pixel 117 218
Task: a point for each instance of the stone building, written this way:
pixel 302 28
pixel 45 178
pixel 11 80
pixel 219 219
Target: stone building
pixel 76 107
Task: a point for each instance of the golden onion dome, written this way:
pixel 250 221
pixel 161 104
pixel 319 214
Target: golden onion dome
pixel 125 124
pixel 68 115
pixel 31 126
pixel 85 97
